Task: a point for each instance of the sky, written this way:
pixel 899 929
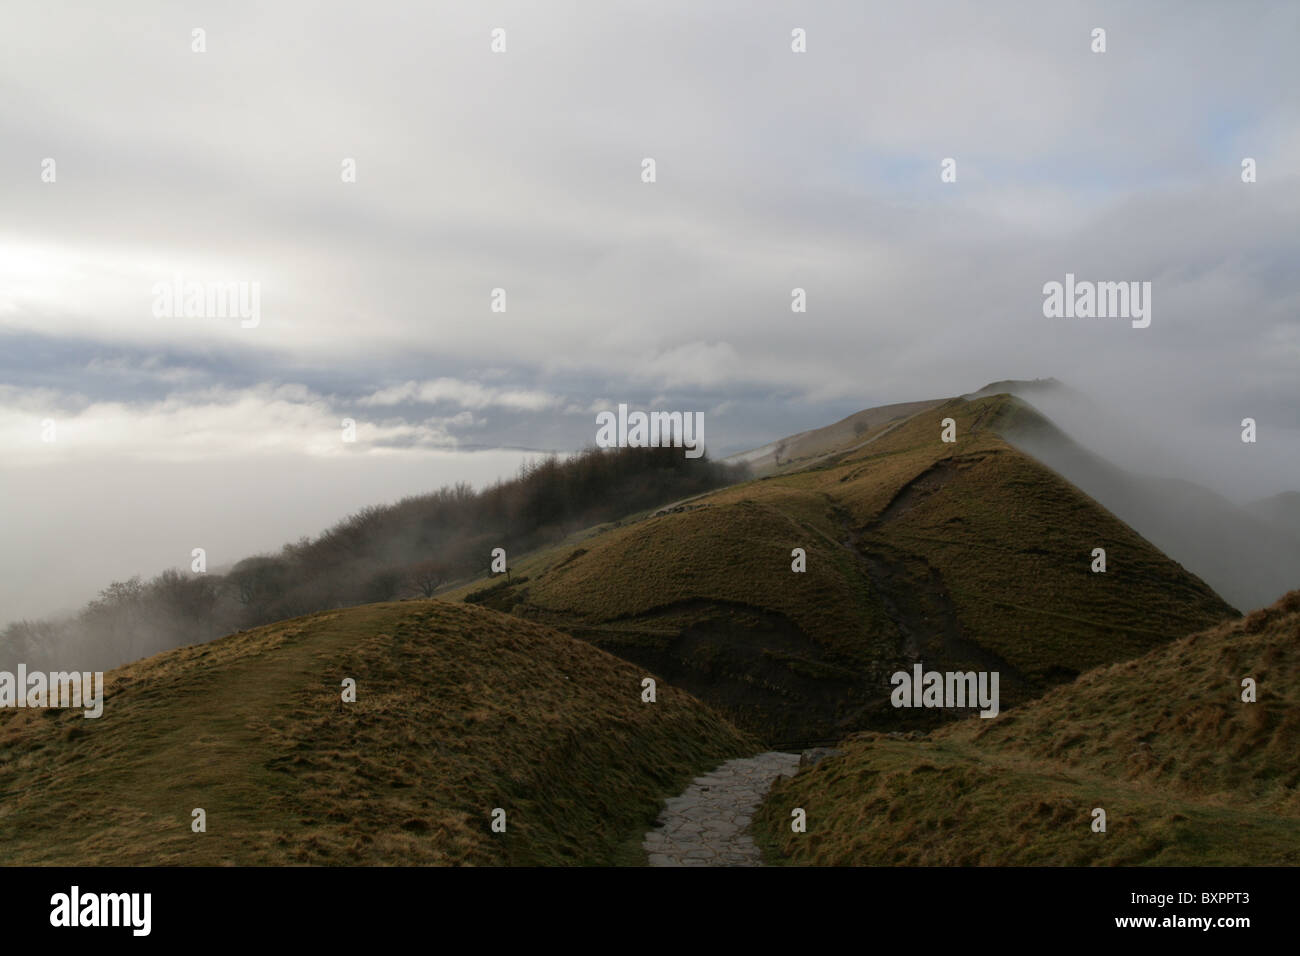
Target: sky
pixel 522 170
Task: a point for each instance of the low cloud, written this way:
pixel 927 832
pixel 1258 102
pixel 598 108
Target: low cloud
pixel 462 393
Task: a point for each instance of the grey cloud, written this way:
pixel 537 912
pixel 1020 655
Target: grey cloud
pixel 775 170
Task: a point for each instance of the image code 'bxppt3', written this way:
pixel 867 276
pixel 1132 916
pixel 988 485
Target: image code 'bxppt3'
pixel 360 509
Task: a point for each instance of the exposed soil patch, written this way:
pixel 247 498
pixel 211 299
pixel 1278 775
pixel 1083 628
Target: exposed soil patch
pixel 914 596
pixel 918 489
pixel 754 665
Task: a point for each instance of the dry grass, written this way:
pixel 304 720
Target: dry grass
pixel 967 555
pixel 459 710
pixel 1187 773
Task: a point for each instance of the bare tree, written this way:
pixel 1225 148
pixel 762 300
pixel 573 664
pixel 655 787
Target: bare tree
pixel 427 576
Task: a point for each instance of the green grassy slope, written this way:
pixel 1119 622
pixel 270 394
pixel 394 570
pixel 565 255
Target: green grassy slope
pixel 1187 773
pixel 961 555
pixel 807 449
pixel 459 710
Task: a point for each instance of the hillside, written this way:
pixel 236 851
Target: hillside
pixel 808 448
pixel 1187 773
pixel 380 553
pixel 1249 555
pixel 459 710
pixel 962 555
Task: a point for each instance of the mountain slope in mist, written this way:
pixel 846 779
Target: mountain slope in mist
pixel 1249 555
pixel 1185 770
pixel 458 711
pixel 384 552
pixel 963 555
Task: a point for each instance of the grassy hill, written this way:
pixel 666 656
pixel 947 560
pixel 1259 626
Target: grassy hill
pixel 961 555
pixel 380 553
pixel 808 448
pixel 1250 555
pixel 1187 773
pixel 459 710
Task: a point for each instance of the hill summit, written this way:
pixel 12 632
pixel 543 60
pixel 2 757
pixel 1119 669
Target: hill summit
pixel 788 602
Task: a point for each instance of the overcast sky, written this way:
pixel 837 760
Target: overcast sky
pixel 522 170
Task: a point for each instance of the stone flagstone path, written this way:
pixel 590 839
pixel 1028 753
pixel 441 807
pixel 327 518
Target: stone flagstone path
pixel 706 825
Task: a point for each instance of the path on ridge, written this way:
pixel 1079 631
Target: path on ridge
pixel 706 825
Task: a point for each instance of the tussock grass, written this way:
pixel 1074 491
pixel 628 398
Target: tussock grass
pixel 459 710
pixel 1187 773
pixel 965 555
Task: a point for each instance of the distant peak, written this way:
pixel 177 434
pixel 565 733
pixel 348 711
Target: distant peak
pixel 1018 386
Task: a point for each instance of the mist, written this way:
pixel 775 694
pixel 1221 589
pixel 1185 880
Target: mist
pixel 817 171
pixel 1193 500
pixel 407 550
